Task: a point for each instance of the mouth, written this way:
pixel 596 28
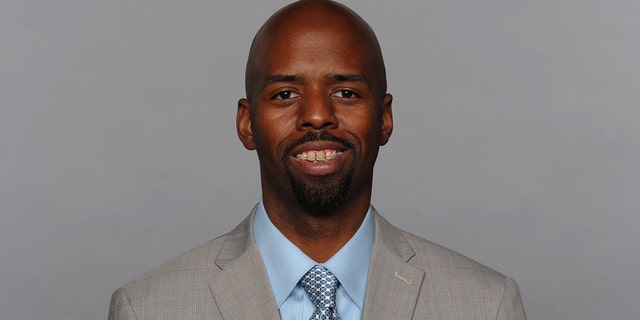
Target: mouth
pixel 318 155
pixel 319 151
pixel 317 147
pixel 311 161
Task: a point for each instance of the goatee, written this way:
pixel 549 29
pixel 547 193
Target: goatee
pixel 323 197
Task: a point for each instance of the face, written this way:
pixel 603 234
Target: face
pixel 317 119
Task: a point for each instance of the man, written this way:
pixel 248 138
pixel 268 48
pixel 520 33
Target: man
pixel 316 113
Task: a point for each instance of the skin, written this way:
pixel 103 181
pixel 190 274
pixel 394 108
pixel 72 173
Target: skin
pixel 314 68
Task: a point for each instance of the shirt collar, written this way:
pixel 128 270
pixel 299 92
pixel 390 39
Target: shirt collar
pixel 286 264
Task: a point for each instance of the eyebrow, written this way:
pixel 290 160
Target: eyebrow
pixel 280 78
pixel 283 78
pixel 347 78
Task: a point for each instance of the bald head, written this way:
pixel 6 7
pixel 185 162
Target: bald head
pixel 314 23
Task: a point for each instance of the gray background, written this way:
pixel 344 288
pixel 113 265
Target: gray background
pixel 516 142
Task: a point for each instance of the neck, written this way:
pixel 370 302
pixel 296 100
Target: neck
pixel 318 236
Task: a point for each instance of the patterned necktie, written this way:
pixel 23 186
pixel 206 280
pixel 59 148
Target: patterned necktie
pixel 321 286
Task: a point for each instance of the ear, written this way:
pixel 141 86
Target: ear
pixel 243 124
pixel 387 119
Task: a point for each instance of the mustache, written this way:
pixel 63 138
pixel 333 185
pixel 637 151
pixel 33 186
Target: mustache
pixel 312 136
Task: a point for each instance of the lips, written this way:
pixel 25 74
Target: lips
pixel 314 142
pixel 318 151
pixel 318 156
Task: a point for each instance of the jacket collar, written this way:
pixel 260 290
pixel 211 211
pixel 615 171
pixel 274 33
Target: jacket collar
pixel 393 284
pixel 242 289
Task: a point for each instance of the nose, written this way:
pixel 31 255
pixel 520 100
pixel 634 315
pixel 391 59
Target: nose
pixel 316 112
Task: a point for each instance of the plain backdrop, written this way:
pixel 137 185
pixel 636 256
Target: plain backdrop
pixel 516 142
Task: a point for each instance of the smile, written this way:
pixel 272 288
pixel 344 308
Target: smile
pixel 318 156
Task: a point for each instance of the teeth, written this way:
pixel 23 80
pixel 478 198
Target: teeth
pixel 318 156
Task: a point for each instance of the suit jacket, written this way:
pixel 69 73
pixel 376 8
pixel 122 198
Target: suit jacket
pixel 409 278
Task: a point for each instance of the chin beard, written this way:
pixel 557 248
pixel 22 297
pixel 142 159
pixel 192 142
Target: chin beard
pixel 321 198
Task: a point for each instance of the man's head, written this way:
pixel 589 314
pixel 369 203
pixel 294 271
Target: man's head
pixel 317 108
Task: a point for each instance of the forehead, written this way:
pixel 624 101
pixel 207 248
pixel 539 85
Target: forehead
pixel 329 48
pixel 309 49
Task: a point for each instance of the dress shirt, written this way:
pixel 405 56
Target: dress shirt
pixel 286 264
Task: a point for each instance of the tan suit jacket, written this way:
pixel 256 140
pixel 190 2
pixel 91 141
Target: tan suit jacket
pixel 409 278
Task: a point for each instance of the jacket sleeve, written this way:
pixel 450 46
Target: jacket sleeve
pixel 120 308
pixel 511 304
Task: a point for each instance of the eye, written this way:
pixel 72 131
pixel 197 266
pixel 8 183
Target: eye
pixel 285 95
pixel 347 94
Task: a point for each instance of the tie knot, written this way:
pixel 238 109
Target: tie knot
pixel 321 286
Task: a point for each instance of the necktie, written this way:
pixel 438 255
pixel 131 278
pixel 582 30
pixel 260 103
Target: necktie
pixel 321 286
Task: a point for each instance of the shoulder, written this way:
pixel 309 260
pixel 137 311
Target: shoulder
pixel 195 264
pixel 196 260
pixel 182 283
pixel 442 266
pixel 198 263
pixel 458 283
pixel 453 282
pixel 433 255
pixel 155 294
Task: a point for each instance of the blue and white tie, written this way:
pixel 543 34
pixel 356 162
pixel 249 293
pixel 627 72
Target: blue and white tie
pixel 321 286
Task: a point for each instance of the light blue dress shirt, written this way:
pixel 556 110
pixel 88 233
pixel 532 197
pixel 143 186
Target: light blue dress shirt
pixel 286 264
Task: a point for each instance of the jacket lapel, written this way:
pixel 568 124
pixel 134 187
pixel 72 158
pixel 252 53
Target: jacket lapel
pixel 393 285
pixel 242 289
